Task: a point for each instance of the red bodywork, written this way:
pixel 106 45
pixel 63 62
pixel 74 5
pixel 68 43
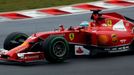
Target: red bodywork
pixel 112 30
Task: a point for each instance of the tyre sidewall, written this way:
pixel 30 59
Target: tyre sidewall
pixel 48 48
pixel 7 41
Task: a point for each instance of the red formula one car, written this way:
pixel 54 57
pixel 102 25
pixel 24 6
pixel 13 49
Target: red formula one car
pixel 107 32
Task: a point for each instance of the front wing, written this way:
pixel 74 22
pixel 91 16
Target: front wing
pixel 22 57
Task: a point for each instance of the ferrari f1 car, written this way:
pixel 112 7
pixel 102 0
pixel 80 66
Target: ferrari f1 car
pixel 107 32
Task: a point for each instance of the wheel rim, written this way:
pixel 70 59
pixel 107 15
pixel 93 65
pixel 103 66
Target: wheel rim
pixel 59 49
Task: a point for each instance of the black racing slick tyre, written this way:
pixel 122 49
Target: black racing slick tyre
pixel 131 47
pixel 56 49
pixel 14 39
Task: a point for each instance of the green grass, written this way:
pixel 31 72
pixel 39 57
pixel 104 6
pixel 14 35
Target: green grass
pixel 14 5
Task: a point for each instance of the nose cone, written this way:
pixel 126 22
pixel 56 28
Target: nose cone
pixel 13 52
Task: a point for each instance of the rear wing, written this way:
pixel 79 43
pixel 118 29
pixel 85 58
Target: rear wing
pixel 114 14
pixel 129 19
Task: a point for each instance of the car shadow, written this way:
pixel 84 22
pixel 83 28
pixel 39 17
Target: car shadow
pixel 30 64
pixel 45 63
pixel 112 55
pixel 105 56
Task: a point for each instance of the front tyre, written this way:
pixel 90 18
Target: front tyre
pixel 56 49
pixel 14 39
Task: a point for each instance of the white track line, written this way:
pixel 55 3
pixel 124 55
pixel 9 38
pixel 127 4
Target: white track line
pixel 35 14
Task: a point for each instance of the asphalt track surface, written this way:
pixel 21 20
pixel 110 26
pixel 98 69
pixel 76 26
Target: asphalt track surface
pixel 116 64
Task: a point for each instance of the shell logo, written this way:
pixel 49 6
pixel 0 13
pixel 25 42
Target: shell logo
pixel 103 39
pixel 114 38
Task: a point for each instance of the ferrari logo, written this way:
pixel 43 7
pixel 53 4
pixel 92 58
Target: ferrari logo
pixel 109 22
pixel 71 36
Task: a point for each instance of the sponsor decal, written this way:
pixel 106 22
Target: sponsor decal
pixel 117 49
pixel 109 22
pixel 71 36
pixel 119 26
pixel 57 34
pixel 103 39
pixel 114 38
pixel 31 57
pixel 80 50
pixel 123 40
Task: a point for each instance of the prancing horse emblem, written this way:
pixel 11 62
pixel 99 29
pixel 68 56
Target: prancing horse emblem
pixel 71 36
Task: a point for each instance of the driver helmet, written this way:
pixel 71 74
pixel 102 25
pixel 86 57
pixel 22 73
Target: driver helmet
pixel 84 24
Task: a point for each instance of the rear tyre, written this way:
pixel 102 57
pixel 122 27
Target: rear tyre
pixel 14 39
pixel 71 50
pixel 132 46
pixel 56 49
